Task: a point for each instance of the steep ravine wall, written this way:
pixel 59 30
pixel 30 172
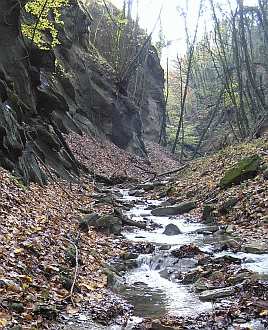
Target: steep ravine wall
pixel 88 84
pixel 44 94
pixel 152 102
pixel 146 82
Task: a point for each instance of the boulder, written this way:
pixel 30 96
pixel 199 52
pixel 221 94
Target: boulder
pixel 207 230
pixel 165 247
pixel 16 327
pixel 113 280
pixel 228 205
pixel 215 275
pixel 17 307
pixel 203 284
pixel 265 174
pixel 171 230
pixel 246 168
pixel 230 229
pixel 227 244
pixel 235 279
pixel 146 187
pixel 209 295
pixel 129 255
pixel 131 263
pixel 256 247
pixel 87 221
pixel 109 224
pixel 190 277
pixel 174 210
pixel 208 211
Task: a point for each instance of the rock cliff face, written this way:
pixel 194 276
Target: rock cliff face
pixel 44 94
pixel 88 84
pixel 152 103
pixel 146 82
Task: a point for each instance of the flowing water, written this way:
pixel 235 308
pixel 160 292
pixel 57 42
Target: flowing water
pixel 150 288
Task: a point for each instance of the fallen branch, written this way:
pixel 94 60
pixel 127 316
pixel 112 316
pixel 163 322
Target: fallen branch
pixel 127 221
pixel 75 274
pixel 171 172
pixel 144 170
pixel 84 210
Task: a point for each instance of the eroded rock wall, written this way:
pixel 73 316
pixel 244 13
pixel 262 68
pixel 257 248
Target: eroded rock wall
pixel 45 93
pixel 152 102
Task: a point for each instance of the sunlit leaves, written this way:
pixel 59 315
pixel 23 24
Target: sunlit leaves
pixel 47 16
pixel 3 322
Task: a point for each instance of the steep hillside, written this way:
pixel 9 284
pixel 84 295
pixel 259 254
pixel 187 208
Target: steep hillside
pixel 45 94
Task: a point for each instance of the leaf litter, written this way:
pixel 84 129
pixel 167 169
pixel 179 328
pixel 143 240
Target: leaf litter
pixel 37 225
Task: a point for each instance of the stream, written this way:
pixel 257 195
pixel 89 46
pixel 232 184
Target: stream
pixel 150 287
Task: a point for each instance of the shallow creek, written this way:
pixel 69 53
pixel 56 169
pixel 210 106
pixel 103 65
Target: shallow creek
pixel 150 288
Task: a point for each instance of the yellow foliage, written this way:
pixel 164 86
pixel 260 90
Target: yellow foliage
pixel 41 9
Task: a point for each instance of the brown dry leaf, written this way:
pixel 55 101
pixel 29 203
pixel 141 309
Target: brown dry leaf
pixel 18 251
pixel 89 287
pixel 38 228
pixel 27 317
pixel 71 310
pixel 13 288
pixel 3 322
pixel 27 278
pixel 264 312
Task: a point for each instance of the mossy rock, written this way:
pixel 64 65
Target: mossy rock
pixel 246 168
pixel 70 256
pixel 228 205
pixel 47 310
pixel 87 221
pixel 113 281
pixel 67 284
pixel 208 210
pixel 17 307
pixel 109 225
pixel 265 174
pixel 129 255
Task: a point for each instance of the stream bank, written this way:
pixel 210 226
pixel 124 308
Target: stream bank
pixel 192 278
pixel 38 225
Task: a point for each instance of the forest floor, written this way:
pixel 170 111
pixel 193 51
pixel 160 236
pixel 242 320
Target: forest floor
pixel 39 232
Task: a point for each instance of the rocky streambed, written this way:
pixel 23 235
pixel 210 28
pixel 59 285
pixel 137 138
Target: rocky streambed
pixel 185 274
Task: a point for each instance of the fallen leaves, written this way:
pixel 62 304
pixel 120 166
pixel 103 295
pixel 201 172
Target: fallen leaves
pixel 35 227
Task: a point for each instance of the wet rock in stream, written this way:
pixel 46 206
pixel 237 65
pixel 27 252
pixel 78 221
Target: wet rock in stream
pixel 210 295
pixel 174 210
pixel 256 247
pixel 171 230
pixel 186 251
pixel 220 280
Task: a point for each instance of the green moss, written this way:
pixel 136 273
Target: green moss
pixel 245 169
